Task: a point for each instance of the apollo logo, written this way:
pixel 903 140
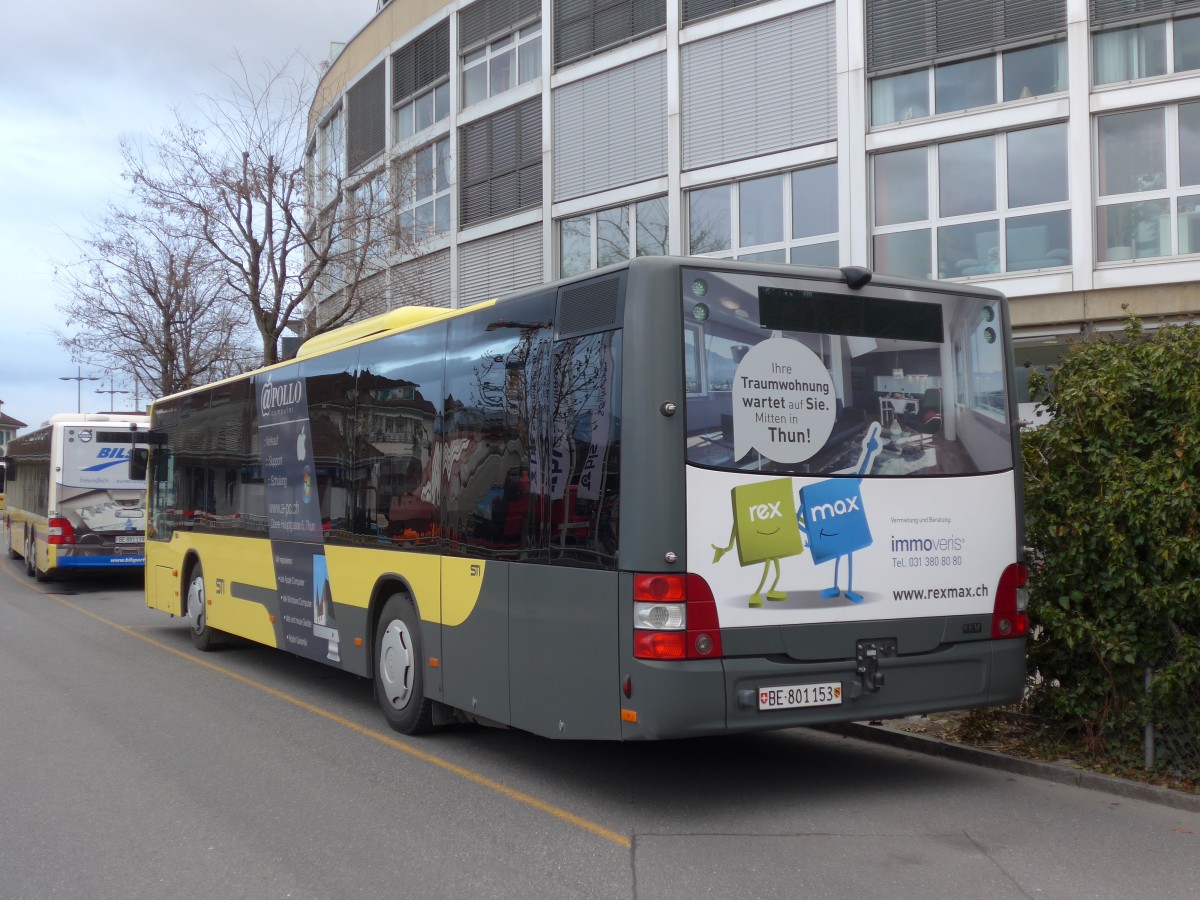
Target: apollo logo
pixel 273 395
pixel 763 511
pixel 832 510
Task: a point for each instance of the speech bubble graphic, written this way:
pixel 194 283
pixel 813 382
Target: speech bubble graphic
pixel 783 402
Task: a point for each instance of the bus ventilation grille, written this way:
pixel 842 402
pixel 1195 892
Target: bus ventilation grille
pixel 590 307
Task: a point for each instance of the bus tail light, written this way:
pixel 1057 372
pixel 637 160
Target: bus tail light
pixel 674 617
pixel 1009 618
pixel 60 531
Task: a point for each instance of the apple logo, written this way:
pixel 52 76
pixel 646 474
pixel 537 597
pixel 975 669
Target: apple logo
pixel 300 448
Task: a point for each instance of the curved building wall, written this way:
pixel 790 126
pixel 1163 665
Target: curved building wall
pixel 1018 143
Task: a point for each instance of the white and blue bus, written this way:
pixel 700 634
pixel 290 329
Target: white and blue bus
pixel 71 505
pixel 675 497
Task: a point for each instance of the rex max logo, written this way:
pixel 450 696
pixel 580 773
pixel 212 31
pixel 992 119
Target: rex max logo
pixel 763 511
pixel 829 510
pixel 109 456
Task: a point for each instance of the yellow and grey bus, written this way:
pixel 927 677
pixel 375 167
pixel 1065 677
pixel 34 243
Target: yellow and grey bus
pixel 72 506
pixel 676 497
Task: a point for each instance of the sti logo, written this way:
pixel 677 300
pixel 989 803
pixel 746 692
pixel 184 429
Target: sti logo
pixel 110 456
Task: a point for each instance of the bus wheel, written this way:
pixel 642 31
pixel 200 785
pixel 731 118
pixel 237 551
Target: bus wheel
pixel 399 671
pixel 30 549
pixel 203 637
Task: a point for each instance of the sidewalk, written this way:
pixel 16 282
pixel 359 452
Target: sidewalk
pixel 892 735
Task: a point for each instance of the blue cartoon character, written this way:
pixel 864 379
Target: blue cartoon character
pixel 765 529
pixel 833 520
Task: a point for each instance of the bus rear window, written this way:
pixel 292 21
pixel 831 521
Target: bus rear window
pixel 787 376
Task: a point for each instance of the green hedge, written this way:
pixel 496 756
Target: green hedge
pixel 1111 488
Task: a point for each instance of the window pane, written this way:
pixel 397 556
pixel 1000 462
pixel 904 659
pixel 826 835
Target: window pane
pixel 1129 53
pixel 1132 152
pixel 965 84
pixel 441 101
pixel 1133 230
pixel 1037 165
pixel 423 110
pixel 404 121
pixel 903 253
pixel 1033 71
pixel 502 66
pixel 575 246
pixel 898 98
pixel 444 172
pixel 815 201
pixel 1189 143
pixel 424 185
pixel 475 84
pixel 1189 224
pixel 816 254
pixel 708 220
pixel 970 249
pixel 776 256
pixel 612 236
pixel 442 213
pixel 761 211
pixel 901 187
pixel 425 219
pixel 1187 44
pixel 530 61
pixel 967 176
pixel 1038 242
pixel 653 230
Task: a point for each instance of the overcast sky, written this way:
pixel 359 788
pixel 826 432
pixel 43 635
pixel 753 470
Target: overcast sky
pixel 74 77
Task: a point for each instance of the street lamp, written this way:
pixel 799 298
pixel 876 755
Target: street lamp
pixel 110 393
pixel 78 378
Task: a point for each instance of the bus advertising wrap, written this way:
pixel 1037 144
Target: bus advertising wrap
pixel 843 549
pixel 307 624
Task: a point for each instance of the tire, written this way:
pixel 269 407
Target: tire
pixel 30 550
pixel 203 637
pixel 400 669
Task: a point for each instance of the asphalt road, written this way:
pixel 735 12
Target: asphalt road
pixel 133 766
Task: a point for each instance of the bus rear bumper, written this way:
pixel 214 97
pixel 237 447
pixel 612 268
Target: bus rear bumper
pixel 723 697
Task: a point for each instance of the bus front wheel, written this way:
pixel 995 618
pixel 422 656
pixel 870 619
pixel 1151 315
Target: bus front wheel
pixel 203 637
pixel 399 670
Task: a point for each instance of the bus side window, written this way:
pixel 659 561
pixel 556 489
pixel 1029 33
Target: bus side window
pixel 585 452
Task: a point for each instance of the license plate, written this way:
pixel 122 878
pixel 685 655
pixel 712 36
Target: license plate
pixel 798 696
pixel 130 539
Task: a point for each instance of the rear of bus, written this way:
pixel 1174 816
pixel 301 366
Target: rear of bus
pixel 843 459
pixel 97 517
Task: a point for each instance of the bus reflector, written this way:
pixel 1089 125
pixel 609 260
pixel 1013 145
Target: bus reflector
pixel 1009 618
pixel 60 531
pixel 628 715
pixel 674 617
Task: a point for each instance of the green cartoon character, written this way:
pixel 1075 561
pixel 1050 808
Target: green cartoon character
pixel 765 530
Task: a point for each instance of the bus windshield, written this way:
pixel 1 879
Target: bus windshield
pixel 798 377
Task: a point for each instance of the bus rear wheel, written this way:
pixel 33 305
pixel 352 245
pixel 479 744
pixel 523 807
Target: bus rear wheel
pixel 399 669
pixel 30 549
pixel 203 637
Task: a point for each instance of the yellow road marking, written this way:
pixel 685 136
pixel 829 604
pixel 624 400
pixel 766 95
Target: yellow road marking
pixel 595 828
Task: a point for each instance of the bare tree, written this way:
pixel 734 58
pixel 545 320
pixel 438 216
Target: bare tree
pixel 150 305
pixel 237 183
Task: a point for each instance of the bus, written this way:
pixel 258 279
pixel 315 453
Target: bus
pixel 72 505
pixel 3 470
pixel 677 497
